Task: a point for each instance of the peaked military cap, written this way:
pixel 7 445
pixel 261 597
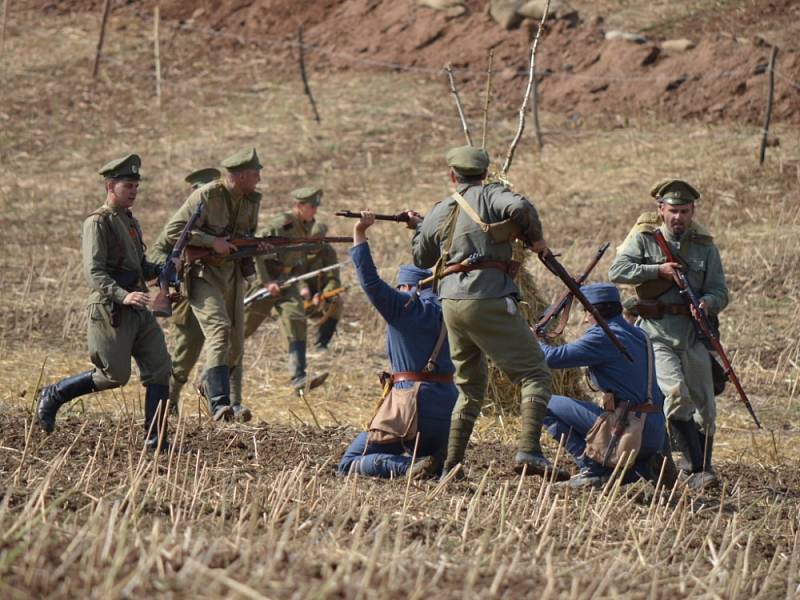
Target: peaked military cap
pixel 242 161
pixel 308 195
pixel 202 177
pixel 122 168
pixel 467 160
pixel 674 191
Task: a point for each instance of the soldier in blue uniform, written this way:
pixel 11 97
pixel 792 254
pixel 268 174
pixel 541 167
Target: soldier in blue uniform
pixel 414 326
pixel 608 372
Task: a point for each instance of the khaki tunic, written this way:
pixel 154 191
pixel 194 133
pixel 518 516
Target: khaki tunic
pixel 114 265
pixel 683 364
pixel 215 289
pixel 480 307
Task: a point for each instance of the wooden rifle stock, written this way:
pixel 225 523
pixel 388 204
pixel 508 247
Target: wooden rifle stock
pixel 563 304
pixel 308 304
pixel 557 269
pixel 700 317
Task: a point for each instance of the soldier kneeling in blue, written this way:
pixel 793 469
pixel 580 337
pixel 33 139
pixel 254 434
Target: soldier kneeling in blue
pixel 420 359
pixel 611 373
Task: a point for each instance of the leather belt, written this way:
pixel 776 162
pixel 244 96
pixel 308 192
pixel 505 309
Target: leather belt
pixel 424 377
pixel 676 309
pixel 511 267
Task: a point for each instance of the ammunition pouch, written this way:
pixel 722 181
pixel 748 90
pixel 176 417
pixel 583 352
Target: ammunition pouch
pixel 247 267
pixel 650 290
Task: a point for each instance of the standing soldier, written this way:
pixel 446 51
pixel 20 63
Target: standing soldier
pixel 187 337
pixel 120 326
pixel 272 270
pixel 683 363
pixel 215 287
pixel 467 239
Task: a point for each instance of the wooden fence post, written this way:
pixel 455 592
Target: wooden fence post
pixel 157 52
pixel 770 96
pixel 3 25
pixel 96 66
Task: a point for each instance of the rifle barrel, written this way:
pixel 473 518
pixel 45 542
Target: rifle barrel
pixel 700 317
pixel 401 217
pixel 559 271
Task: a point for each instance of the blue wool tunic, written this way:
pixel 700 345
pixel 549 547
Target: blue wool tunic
pixel 412 330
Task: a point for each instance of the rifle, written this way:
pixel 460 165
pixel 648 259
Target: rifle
pixel 701 318
pixel 557 269
pixel 308 304
pixel 560 309
pixel 401 217
pixel 162 303
pixel 264 293
pixel 248 246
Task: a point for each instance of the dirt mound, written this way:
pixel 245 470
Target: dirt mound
pixel 581 72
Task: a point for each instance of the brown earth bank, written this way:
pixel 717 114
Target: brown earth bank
pixel 581 73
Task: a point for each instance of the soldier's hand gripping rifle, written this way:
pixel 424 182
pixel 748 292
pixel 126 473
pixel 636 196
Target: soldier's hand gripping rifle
pixel 560 309
pixel 701 318
pixel 264 293
pixel 557 269
pixel 170 272
pixel 252 246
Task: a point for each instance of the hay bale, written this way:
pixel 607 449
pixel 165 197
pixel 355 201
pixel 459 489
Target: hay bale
pixel 503 397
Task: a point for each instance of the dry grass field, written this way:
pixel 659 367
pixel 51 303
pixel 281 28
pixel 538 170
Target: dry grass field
pixel 255 511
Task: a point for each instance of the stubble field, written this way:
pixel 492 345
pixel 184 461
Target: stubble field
pixel 256 511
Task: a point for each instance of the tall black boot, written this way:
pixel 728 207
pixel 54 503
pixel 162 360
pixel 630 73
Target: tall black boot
pixel 691 437
pixel 53 396
pixel 297 364
pixel 156 399
pixel 325 333
pixel 217 390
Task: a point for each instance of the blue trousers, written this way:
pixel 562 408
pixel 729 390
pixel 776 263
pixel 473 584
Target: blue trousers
pixel 573 419
pixel 393 460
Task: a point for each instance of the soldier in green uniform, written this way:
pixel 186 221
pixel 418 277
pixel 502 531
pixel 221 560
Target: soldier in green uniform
pixel 187 337
pixel 329 311
pixel 120 326
pixel 480 303
pixel 215 287
pixel 683 363
pixel 272 270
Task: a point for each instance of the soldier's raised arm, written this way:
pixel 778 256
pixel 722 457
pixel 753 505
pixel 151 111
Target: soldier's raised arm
pixel 630 264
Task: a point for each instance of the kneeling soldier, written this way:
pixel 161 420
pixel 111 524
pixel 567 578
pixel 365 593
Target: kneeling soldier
pixel 421 368
pixel 120 326
pixel 618 379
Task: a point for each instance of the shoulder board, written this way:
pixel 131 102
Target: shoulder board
pixel 646 223
pixel 212 190
pixel 100 213
pixel 701 235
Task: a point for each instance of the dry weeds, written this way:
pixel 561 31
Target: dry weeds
pixel 256 511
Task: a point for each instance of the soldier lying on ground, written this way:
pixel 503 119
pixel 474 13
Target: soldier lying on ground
pixel 422 372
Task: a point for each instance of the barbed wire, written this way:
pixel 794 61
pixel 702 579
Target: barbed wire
pixel 785 78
